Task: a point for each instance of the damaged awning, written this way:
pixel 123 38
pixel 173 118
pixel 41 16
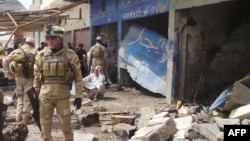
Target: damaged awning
pixel 35 20
pixel 31 21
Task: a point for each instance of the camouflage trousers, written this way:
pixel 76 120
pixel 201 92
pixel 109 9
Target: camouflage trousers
pixel 23 104
pixel 62 107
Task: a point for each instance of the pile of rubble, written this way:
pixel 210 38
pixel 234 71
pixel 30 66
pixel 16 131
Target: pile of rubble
pixel 179 123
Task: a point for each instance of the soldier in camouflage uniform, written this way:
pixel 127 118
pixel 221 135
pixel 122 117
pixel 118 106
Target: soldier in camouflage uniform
pixel 19 64
pixel 55 68
pixel 97 55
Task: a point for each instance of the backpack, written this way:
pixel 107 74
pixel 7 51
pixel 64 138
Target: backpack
pixel 19 57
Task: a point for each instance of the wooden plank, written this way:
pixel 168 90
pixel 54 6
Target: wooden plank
pixel 122 119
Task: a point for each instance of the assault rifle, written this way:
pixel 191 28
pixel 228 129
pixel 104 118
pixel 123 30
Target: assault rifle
pixel 34 101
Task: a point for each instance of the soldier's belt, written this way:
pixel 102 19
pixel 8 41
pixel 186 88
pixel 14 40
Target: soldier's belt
pixel 55 80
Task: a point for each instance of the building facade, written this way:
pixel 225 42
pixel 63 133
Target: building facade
pixel 198 33
pixel 76 23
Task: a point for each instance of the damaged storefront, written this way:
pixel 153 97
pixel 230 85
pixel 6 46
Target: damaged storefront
pixel 204 45
pixel 214 49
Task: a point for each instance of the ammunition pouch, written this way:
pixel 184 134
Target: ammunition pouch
pixel 56 70
pixel 66 79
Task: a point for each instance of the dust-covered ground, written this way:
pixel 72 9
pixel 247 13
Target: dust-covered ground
pixel 114 102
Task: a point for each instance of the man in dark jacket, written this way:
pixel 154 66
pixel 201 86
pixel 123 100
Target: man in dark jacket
pixel 82 55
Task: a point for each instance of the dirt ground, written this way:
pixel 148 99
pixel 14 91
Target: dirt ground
pixel 129 100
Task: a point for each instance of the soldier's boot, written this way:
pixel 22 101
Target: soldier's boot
pixel 3 112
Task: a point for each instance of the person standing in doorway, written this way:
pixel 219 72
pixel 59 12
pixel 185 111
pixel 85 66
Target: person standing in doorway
pixel 97 55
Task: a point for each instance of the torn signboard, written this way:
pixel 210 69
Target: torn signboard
pixel 143 53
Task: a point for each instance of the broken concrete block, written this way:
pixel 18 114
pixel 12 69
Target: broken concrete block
pixel 87 119
pixel 122 119
pixel 84 137
pixel 210 131
pixel 221 122
pixel 183 122
pixel 136 140
pixel 245 122
pixel 157 121
pixel 124 131
pixel 180 134
pixel 184 110
pixel 106 128
pixel 220 136
pixel 157 130
pixel 193 134
pixel 141 122
pixel 242 112
pixel 161 115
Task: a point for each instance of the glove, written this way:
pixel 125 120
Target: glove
pixel 78 103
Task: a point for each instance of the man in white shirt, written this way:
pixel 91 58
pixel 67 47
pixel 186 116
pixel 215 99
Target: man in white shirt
pixel 94 84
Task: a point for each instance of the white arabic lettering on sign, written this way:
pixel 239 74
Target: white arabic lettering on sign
pixel 140 12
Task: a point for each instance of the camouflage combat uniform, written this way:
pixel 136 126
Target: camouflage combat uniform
pixel 22 83
pixel 97 56
pixel 54 73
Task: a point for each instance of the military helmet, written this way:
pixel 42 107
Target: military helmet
pixel 54 30
pixel 99 38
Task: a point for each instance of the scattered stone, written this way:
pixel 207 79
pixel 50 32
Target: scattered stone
pixel 193 135
pixel 210 131
pixel 221 122
pixel 84 137
pixel 99 108
pixel 124 131
pixel 141 122
pixel 88 119
pixel 242 112
pixel 18 133
pixel 161 115
pixel 156 130
pixel 245 122
pixel 106 128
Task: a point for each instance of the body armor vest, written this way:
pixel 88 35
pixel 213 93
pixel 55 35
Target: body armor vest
pixel 97 51
pixel 55 69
